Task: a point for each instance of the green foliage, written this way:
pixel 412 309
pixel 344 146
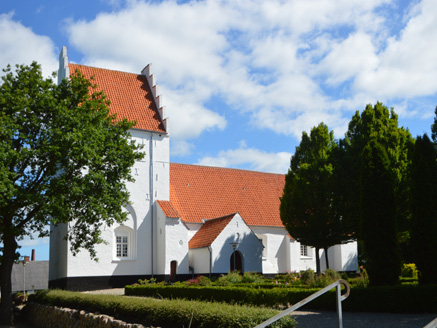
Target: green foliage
pixel 252 278
pixel 424 211
pixel 229 279
pixel 380 124
pixel 409 270
pixel 309 193
pixel 162 312
pixel 64 159
pixel 378 222
pixel 308 276
pixel 415 298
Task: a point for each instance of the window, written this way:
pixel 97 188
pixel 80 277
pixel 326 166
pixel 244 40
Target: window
pixel 304 250
pixel 122 246
pixel 124 243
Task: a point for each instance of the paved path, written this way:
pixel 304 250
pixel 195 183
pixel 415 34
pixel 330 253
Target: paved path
pixel 327 319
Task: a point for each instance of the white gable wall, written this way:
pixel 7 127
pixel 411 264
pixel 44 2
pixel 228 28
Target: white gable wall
pixel 248 245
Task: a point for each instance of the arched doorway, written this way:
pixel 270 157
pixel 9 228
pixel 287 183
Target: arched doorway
pixel 236 261
pixel 173 270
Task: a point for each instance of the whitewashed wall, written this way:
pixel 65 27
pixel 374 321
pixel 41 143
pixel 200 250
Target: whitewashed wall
pixel 152 178
pixel 248 245
pixel 277 251
pixel 176 246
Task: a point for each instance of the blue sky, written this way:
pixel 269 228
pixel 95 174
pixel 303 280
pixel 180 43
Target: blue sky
pixel 242 79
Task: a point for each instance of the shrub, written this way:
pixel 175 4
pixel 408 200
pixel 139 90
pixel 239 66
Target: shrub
pixel 332 274
pixel 199 281
pixel 415 299
pixel 163 313
pixel 252 278
pixel 228 279
pixel 409 270
pixel 308 276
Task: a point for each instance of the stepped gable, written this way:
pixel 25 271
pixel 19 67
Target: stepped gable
pixel 202 192
pixel 131 95
pixel 209 231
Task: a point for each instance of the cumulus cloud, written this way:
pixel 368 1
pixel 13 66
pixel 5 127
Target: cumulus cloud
pixel 20 45
pixel 285 65
pixel 250 158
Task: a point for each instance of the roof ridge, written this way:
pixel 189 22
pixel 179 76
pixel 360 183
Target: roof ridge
pixel 105 69
pixel 228 168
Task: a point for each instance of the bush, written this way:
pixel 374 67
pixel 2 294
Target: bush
pixel 415 299
pixel 199 281
pixel 409 270
pixel 229 279
pixel 252 278
pixel 308 276
pixel 163 313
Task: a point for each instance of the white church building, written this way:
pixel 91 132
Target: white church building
pixel 183 220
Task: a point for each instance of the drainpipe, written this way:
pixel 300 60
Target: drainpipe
pixel 210 261
pixel 152 197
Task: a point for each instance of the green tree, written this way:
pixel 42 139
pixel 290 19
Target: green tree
pixel 307 209
pixel 378 221
pixel 424 211
pixel 64 159
pixel 381 124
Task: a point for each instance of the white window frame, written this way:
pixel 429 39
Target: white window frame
pixel 305 251
pixel 124 244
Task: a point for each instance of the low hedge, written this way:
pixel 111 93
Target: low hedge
pixel 276 297
pixel 163 313
pixel 395 299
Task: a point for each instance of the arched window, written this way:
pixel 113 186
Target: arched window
pixel 124 243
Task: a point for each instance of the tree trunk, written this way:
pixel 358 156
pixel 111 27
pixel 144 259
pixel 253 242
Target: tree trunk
pixel 326 257
pixel 317 261
pixel 6 310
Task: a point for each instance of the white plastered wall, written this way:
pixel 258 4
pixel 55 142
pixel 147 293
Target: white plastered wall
pixel 341 257
pixel 142 192
pixel 248 245
pixel 277 249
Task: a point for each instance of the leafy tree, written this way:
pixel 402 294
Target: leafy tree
pixel 424 211
pixel 307 209
pixel 378 221
pixel 64 159
pixel 380 124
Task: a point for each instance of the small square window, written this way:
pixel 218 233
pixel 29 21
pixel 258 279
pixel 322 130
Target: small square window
pixel 303 250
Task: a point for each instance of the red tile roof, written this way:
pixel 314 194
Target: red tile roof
pixel 209 231
pixel 168 209
pixel 130 96
pixel 202 192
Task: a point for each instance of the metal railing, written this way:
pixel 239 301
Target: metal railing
pixel 339 299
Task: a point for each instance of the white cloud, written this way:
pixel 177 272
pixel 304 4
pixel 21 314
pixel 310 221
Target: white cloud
pixel 20 45
pixel 273 61
pixel 407 66
pixel 251 158
pixel 181 148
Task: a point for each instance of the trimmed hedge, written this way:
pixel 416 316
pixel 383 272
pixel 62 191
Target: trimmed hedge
pixel 276 297
pixel 395 299
pixel 163 313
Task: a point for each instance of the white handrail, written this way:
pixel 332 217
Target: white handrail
pixel 339 299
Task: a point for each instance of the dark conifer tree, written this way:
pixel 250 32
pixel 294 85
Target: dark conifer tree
pixel 378 216
pixel 424 210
